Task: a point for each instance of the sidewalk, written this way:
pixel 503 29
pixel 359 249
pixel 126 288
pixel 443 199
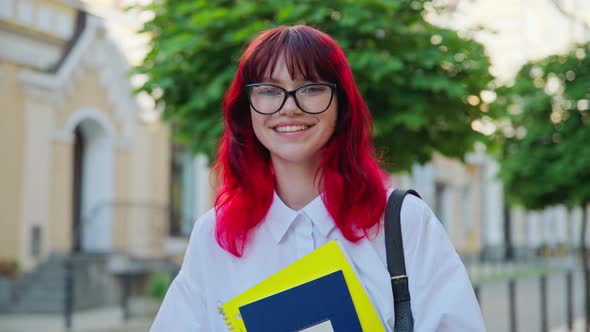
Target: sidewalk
pixel 578 327
pixel 108 319
pixel 486 272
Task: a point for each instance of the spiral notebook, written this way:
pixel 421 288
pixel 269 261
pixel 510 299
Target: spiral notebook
pixel 325 260
pixel 321 304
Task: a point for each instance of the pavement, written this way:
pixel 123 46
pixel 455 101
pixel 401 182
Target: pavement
pixel 578 327
pixel 493 302
pixel 108 319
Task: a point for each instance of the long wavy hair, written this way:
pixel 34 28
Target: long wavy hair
pixel 353 183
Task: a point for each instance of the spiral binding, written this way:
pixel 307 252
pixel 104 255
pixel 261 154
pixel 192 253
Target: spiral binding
pixel 228 322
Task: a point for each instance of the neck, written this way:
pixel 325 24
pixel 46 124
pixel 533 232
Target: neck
pixel 296 184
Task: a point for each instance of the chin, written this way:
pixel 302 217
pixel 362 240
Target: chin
pixel 295 156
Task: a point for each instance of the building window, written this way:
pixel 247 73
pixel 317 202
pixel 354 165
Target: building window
pixel 182 192
pixel 36 241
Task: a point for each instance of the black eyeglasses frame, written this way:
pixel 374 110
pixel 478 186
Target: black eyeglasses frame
pixel 290 93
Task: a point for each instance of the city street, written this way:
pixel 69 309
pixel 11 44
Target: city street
pixel 493 299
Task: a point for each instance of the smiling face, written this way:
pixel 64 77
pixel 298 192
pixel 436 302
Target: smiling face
pixel 291 135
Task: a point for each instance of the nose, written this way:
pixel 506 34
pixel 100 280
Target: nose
pixel 290 107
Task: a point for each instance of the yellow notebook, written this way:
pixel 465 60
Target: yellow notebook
pixel 327 259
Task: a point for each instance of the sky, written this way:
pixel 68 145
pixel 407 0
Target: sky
pixel 516 31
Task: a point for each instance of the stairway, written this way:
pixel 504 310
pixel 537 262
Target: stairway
pixel 43 290
pixel 97 282
pixel 40 291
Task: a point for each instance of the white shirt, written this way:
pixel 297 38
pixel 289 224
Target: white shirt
pixel 442 298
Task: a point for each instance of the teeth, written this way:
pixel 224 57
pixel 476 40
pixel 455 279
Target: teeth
pixel 287 129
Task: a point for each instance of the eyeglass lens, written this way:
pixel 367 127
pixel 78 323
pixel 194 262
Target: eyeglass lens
pixel 311 98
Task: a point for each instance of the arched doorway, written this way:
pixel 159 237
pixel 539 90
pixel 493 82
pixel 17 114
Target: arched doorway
pixel 92 187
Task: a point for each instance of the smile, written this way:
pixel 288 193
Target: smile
pixel 290 129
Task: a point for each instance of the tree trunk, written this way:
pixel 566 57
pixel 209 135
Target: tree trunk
pixel 585 271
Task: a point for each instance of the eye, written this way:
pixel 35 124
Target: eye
pixel 268 91
pixel 313 89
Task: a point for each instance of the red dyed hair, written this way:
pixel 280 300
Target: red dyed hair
pixel 353 182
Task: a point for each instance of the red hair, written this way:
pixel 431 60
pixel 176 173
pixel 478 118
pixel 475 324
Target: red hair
pixel 353 182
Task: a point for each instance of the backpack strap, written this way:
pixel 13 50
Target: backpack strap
pixel 396 264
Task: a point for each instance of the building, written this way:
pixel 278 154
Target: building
pixel 82 169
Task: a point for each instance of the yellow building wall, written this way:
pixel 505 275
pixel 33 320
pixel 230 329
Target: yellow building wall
pixel 121 191
pixel 11 152
pixel 140 163
pixel 88 92
pixel 160 159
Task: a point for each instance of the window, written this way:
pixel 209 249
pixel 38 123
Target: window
pixel 36 241
pixel 182 192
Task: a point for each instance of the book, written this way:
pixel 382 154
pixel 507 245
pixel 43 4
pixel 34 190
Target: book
pixel 304 308
pixel 326 259
pixel 325 326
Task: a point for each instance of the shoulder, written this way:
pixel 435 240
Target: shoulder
pixel 413 208
pixel 202 239
pixel 417 219
pixel 205 225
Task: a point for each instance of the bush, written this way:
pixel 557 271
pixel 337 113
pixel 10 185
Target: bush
pixel 9 268
pixel 158 284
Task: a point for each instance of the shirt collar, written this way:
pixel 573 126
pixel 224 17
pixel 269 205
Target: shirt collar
pixel 280 217
pixel 318 213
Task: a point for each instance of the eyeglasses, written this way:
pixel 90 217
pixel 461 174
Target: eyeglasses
pixel 311 98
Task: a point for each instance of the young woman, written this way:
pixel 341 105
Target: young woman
pixel 298 169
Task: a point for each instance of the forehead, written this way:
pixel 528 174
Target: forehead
pixel 284 65
pixel 280 72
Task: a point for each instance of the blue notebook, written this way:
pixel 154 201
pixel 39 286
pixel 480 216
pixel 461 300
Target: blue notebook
pixel 318 305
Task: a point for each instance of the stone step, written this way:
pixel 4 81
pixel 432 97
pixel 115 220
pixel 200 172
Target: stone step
pixel 43 290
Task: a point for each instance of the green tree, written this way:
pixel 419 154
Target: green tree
pixel 415 77
pixel 545 159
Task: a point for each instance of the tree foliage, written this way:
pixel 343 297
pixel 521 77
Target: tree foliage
pixel 414 76
pixel 545 157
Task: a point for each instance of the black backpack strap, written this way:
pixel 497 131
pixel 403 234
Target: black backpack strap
pixel 396 263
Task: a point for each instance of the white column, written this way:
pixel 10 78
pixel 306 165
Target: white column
pixel 203 190
pixel 561 224
pixel 447 214
pixel 423 179
pixel 518 227
pixel 466 209
pixel 533 221
pixel 546 236
pixel 493 203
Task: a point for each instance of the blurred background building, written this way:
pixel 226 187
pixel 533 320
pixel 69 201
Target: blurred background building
pixel 88 167
pixel 86 164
